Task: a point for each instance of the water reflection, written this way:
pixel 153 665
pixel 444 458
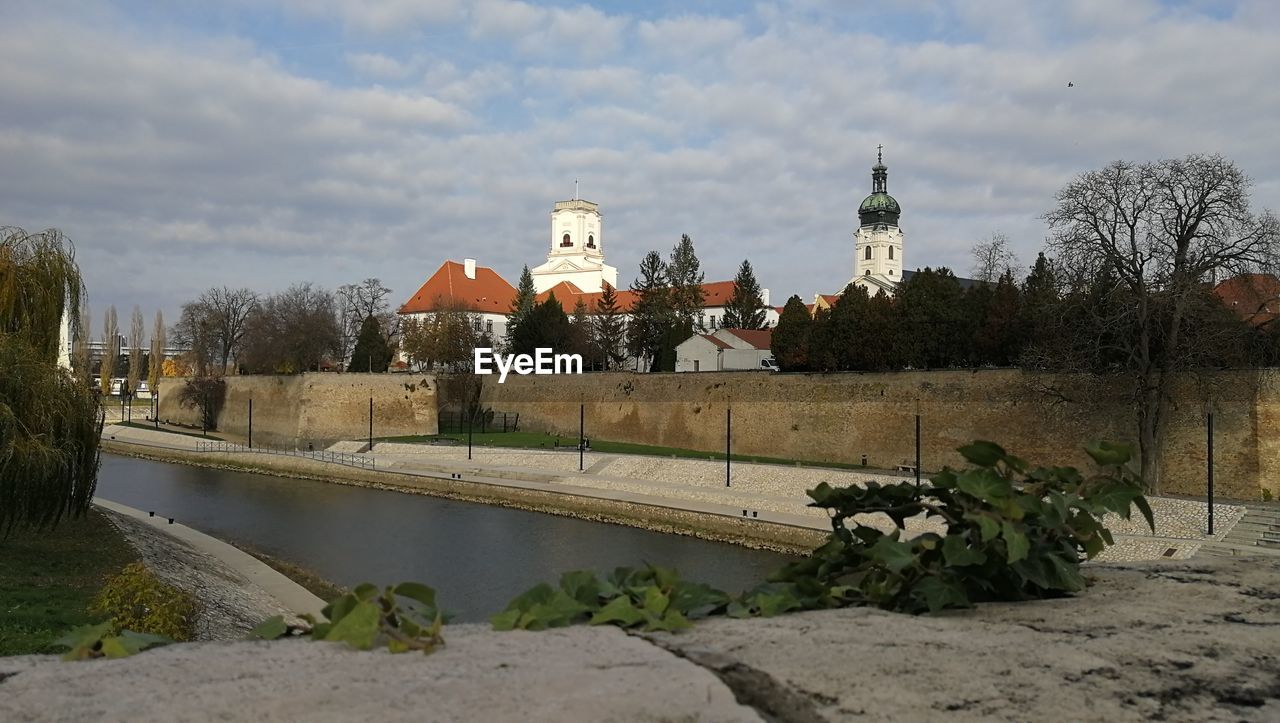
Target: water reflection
pixel 477 556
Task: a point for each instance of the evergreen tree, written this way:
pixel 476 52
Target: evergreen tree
pixel 685 278
pixel 931 320
pixel 1000 339
pixel 523 303
pixel 877 343
pixel 371 353
pixel 790 344
pixel 547 326
pixel 745 309
pixel 822 345
pixel 609 331
pixel 581 336
pixel 652 315
pixel 1038 317
pixel 846 336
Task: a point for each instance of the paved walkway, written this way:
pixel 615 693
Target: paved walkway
pixel 768 493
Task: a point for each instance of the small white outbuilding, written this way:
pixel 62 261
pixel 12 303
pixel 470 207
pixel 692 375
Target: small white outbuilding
pixel 725 350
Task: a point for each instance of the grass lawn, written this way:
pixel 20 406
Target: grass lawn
pixel 48 578
pixel 537 440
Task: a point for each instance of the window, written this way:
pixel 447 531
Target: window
pixel 475 323
pixel 565 241
pixel 713 321
pixel 891 253
pixel 891 272
pixel 488 326
pixel 591 241
pixel 867 272
pixel 868 254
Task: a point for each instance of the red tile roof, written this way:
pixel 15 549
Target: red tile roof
pixel 718 342
pixel 449 287
pixel 1254 297
pixel 758 338
pixel 715 293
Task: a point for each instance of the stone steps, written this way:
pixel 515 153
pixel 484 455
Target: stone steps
pixel 1258 532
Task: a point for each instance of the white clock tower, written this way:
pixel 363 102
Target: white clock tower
pixel 877 244
pixel 577 249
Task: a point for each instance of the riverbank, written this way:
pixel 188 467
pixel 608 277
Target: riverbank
pixel 536 492
pixel 236 591
pixel 1176 641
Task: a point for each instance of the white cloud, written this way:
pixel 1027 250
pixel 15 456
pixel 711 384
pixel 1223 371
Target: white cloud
pixel 203 162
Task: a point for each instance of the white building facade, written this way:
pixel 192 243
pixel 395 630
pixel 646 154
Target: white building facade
pixel 577 249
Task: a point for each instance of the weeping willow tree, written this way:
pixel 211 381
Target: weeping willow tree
pixel 49 424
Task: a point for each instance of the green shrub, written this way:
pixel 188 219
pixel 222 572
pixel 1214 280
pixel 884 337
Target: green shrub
pixel 1011 533
pixel 138 601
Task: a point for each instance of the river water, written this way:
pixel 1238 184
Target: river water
pixel 476 556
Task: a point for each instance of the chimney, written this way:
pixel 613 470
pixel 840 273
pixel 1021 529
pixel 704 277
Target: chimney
pixel 469 268
pixel 764 297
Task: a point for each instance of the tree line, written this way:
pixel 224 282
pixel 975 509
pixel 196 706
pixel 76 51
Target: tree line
pixel 1123 288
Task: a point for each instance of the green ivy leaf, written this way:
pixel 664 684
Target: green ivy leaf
pixel 939 594
pixel 1067 574
pixel 619 610
pixel 506 620
pixel 358 628
pixel 893 554
pixel 988 527
pixel 581 586
pixel 694 599
pixel 1015 543
pixel 1109 453
pixel 270 629
pixel 983 454
pixel 956 551
pixel 985 484
pixel 417 592
pixel 672 622
pixel 655 601
pixel 1145 508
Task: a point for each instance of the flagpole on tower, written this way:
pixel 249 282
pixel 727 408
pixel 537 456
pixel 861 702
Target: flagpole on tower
pixel 575 189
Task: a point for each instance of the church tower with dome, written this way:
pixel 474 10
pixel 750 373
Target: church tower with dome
pixel 877 244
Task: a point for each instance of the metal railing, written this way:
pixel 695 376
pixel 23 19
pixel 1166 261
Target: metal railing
pixel 344 458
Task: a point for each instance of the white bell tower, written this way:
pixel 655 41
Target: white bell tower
pixel 577 249
pixel 877 244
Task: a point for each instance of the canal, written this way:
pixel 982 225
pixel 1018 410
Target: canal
pixel 476 556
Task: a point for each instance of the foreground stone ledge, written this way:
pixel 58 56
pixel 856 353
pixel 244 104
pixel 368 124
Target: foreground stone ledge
pixel 1184 641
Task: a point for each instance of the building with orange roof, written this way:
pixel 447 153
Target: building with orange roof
pixel 477 290
pixel 1255 298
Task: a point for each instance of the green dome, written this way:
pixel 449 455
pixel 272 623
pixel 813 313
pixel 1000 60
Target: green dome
pixel 879 207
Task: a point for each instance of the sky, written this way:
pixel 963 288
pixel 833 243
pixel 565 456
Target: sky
pixel 185 144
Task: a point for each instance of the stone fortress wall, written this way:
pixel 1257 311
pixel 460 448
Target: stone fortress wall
pixel 296 410
pixel 1043 418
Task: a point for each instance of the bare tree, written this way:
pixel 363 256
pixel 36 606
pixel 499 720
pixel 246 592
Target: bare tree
pixel 357 302
pixel 1149 236
pixel 230 310
pixel 137 328
pixel 155 368
pixel 992 258
pixel 110 349
pixel 291 332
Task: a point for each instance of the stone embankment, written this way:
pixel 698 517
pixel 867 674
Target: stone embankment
pixel 235 590
pixel 1176 641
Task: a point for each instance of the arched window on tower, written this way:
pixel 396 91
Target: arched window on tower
pixel 867 255
pixel 867 272
pixel 591 241
pixel 565 241
pixel 891 253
